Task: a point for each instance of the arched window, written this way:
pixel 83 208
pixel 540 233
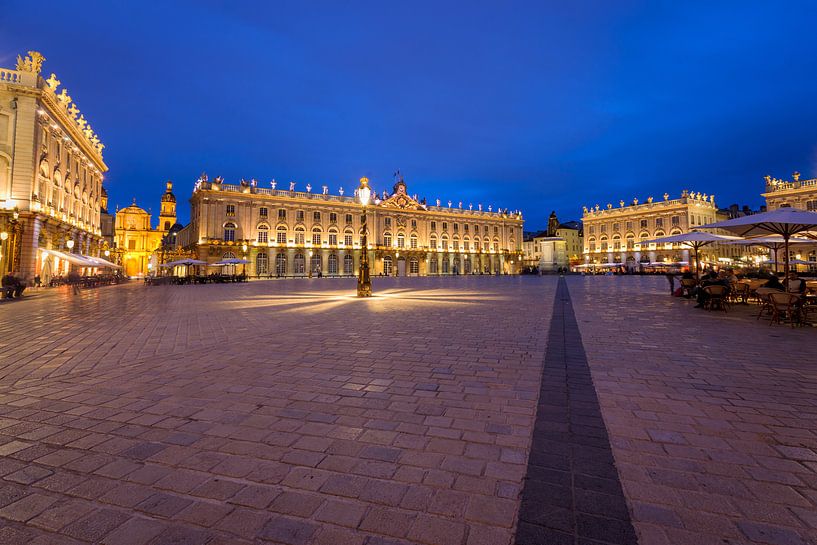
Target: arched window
pixel 229 232
pixel 263 234
pixel 348 264
pixel 456 265
pixel 316 236
pixel 477 245
pixel 466 244
pixel 315 263
pixel 347 238
pixel 414 266
pixel 261 263
pixel 603 241
pixel 387 265
pixel 299 263
pixel 433 242
pixel 630 241
pixel 333 264
pixel 281 234
pixel 444 240
pixel 496 245
pixel 386 239
pixel 616 242
pixel 456 243
pixel 445 266
pixel 401 240
pixel 227 269
pixel 300 235
pixel 281 264
pixel 432 265
pixel 333 237
pixel 413 241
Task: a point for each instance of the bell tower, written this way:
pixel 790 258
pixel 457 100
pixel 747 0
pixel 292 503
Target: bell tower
pixel 167 214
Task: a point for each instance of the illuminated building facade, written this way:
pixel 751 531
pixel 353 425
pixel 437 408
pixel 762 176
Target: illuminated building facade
pixel 295 233
pixel 556 248
pixel 136 239
pixel 616 235
pixel 51 171
pixel 794 193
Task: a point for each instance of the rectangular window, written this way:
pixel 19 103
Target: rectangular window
pixel 659 222
pixel 299 215
pixel 282 237
pixel 387 222
pixel 231 210
pixel 386 240
pixel 299 237
pixel 433 225
pixel 131 244
pixel 316 239
pixel 333 239
pixel 347 240
pixel 263 212
pixel 676 220
pixel 348 219
pixel 629 226
pixel 456 227
pixel 414 224
pixel 333 218
pixel 616 227
pixel 592 229
pixel 262 236
pixel 643 224
pixel 445 226
pixel 316 216
pixel 603 228
pixel 282 214
pixel 496 229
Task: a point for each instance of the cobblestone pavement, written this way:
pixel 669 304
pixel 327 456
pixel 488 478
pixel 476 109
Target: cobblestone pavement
pixel 712 416
pixel 279 411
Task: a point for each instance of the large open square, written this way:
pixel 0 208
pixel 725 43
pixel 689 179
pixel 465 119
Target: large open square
pixel 476 410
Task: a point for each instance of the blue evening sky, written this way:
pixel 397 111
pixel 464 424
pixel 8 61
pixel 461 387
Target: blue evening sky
pixel 545 105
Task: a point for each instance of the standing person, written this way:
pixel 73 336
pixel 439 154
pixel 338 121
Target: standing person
pixel 671 280
pixel 73 279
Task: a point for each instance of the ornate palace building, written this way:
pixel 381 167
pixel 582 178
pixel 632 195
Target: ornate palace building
pixel 295 233
pixel 616 235
pixel 51 171
pixel 795 193
pixel 135 238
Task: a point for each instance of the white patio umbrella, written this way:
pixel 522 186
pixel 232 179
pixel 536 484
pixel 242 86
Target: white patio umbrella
pixel 695 240
pixel 230 261
pixel 774 243
pixel 186 262
pixel 785 222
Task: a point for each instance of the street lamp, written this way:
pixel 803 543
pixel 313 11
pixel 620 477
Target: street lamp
pixel 70 244
pixel 309 265
pixel 364 282
pixel 244 267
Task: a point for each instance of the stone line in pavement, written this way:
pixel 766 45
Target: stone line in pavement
pixel 572 493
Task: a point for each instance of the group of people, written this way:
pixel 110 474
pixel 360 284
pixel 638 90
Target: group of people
pixel 12 286
pixel 726 277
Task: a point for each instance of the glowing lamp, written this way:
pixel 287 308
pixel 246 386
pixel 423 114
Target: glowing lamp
pixel 70 244
pixel 4 235
pixel 244 248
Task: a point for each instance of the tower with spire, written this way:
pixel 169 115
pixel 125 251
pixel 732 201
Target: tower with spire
pixel 167 214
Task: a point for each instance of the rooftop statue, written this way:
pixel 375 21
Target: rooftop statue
pixel 33 62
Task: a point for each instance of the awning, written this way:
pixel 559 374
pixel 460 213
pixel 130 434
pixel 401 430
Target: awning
pixel 76 259
pixel 100 262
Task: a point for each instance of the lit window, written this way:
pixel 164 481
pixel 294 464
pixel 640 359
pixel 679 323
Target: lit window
pixel 282 214
pixel 413 241
pixel 299 215
pixel 281 235
pixel 263 234
pixel 263 212
pixel 401 241
pixel 333 239
pixel 333 218
pixel 300 236
pixel 348 219
pixel 387 239
pixel 347 239
pixel 316 216
pixel 231 210
pixel 229 232
pixel 316 236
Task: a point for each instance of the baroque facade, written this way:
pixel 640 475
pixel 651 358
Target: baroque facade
pixel 51 172
pixel 135 238
pixel 794 193
pixel 617 235
pixel 293 233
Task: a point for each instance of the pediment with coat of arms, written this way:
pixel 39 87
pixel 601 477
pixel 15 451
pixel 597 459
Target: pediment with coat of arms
pixel 400 198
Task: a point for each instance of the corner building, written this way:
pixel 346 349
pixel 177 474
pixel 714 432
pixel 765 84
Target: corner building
pixel 51 171
pixel 292 233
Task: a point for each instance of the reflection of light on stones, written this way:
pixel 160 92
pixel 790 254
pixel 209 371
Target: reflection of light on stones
pixel 392 299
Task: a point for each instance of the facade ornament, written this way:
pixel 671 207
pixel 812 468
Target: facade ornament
pixel 460 204
pixel 596 208
pixel 309 188
pixel 609 206
pixel 73 111
pixel 218 179
pixel 649 200
pixel 796 176
pixel 64 97
pixel 340 191
pixel 53 82
pixel 584 209
pixel 635 201
pixel 81 122
pixel 666 196
pixel 470 206
pixel 449 204
pixel 712 199
pixel 768 179
pixel 325 189
pixel 621 203
pixel 273 183
pixel 698 195
pixel 292 186
pixel 438 203
pixel 684 194
pixel 705 197
pixel 32 63
pixel 490 208
pixel 480 207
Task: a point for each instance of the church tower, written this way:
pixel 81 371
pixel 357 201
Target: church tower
pixel 167 215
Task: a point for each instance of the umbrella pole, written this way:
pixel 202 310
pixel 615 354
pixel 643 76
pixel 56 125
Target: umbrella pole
pixel 775 250
pixel 786 259
pixel 697 263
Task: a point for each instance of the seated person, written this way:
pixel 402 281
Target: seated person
pixel 712 279
pixel 9 283
pixel 774 283
pixel 795 284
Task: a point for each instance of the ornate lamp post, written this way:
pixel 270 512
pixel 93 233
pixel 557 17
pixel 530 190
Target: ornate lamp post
pixel 12 243
pixel 364 282
pixel 244 267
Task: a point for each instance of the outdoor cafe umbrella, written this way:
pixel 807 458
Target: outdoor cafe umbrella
pixel 785 222
pixel 230 261
pixel 185 262
pixel 695 240
pixel 774 243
